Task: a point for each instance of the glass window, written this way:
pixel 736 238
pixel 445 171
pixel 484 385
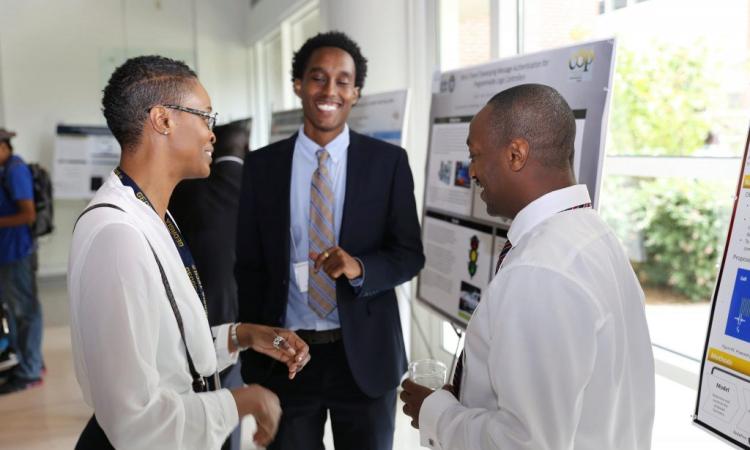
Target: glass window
pixel 272 87
pixel 275 79
pixel 548 24
pixel 304 28
pixel 464 33
pixel 677 128
pixel 465 39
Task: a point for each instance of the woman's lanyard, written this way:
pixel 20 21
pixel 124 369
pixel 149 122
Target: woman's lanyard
pixel 179 241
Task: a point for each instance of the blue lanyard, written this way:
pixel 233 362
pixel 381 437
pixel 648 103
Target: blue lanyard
pixel 179 241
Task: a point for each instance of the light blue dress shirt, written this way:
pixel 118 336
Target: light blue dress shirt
pixel 299 316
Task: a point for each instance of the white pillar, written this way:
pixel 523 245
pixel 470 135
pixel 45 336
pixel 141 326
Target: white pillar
pixel 380 29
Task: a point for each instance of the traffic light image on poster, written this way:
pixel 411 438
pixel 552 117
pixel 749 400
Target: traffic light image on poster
pixel 473 255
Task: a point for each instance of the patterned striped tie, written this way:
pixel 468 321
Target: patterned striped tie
pixel 503 252
pixel 459 371
pixel 322 289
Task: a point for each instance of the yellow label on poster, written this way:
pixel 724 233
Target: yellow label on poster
pixel 729 361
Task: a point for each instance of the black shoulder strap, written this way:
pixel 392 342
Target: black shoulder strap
pixel 94 206
pixel 199 383
pixel 6 167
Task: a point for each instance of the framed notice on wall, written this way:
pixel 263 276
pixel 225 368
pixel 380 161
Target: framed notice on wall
pixel 84 157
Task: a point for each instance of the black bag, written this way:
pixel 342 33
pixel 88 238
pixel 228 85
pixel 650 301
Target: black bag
pixel 45 212
pixel 42 185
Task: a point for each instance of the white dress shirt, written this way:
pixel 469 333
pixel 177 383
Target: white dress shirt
pixel 557 354
pixel 129 357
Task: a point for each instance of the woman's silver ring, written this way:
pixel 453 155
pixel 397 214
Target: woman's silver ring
pixel 277 342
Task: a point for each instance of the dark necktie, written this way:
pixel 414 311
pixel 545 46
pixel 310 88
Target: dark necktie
pixel 458 373
pixel 503 252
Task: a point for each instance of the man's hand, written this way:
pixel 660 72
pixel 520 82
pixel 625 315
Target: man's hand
pixel 264 406
pixel 336 262
pixel 413 395
pixel 290 348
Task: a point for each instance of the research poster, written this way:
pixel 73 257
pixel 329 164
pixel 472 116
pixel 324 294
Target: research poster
pixel 284 124
pixel 723 403
pixel 381 116
pixel 84 157
pixel 461 240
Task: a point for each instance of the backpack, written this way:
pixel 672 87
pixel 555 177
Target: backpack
pixel 42 186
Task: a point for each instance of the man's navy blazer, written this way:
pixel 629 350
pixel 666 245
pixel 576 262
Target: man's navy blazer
pixel 379 226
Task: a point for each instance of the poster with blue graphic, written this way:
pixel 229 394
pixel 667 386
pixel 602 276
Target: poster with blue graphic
pixel 723 404
pixel 738 321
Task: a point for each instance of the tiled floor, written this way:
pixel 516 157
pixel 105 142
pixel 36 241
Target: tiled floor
pixel 49 416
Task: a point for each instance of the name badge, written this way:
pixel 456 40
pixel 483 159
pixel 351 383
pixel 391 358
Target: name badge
pixel 302 273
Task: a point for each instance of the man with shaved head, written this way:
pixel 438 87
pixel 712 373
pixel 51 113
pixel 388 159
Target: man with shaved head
pixel 557 353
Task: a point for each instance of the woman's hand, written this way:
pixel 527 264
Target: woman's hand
pixel 278 343
pixel 261 404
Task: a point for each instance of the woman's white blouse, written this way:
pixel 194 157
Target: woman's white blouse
pixel 129 357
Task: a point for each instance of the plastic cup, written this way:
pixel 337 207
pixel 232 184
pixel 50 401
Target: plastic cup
pixel 428 373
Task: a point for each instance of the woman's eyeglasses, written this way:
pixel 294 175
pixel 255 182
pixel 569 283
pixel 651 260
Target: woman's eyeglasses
pixel 209 117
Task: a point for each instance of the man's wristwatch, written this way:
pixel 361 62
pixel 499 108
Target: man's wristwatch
pixel 233 337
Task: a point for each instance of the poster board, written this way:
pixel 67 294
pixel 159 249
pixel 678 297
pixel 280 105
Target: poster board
pixel 84 157
pixel 723 400
pixel 461 240
pixel 381 116
pixel 284 124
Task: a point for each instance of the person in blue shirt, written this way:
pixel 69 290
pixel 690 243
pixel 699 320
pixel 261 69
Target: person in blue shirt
pixel 18 267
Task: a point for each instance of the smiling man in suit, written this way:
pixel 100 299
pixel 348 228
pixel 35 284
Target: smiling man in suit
pixel 327 228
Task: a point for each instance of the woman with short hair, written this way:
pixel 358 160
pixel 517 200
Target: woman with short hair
pixel 142 344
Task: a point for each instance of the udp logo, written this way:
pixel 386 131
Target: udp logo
pixel 581 60
pixel 580 65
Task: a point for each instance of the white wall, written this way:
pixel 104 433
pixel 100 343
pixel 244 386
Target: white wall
pixel 223 59
pixel 380 29
pixel 56 56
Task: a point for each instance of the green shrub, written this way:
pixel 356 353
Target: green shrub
pixel 660 99
pixel 682 224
